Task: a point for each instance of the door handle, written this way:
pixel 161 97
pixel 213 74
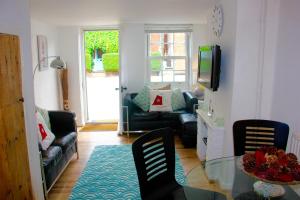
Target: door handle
pixel 21 99
pixel 122 88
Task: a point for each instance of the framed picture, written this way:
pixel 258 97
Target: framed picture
pixel 42 47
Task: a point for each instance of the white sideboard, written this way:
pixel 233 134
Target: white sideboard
pixel 213 130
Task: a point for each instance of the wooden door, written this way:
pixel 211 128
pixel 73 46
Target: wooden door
pixel 15 182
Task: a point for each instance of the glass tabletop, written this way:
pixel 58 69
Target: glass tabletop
pixel 225 176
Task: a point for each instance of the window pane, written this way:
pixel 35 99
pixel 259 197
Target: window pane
pixel 166 46
pixel 179 64
pixel 156 76
pixel 154 37
pixel 167 64
pixel 168 50
pixel 168 76
pixel 155 50
pixel 170 38
pixel 179 50
pixel 156 64
pixel 179 76
pixel 179 38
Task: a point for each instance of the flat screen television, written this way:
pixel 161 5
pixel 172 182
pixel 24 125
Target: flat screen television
pixel 209 61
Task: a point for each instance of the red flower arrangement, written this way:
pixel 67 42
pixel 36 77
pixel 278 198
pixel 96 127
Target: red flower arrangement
pixel 272 164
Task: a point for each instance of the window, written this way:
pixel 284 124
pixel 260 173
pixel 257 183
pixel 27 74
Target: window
pixel 168 56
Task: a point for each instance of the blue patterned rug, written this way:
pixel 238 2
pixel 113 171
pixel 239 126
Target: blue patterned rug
pixel 110 174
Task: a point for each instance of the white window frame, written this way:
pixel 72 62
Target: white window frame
pixel 187 58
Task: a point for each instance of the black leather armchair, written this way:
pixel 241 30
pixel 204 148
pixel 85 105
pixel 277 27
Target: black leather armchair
pixel 56 158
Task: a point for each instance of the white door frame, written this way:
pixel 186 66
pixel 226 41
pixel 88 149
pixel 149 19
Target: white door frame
pixel 83 71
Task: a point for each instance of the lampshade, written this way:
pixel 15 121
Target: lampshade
pixel 198 91
pixel 58 63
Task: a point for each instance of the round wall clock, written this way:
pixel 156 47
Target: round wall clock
pixel 217 20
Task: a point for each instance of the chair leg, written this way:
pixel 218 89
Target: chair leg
pixel 76 146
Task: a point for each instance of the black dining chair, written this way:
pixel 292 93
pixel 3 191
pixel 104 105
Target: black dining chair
pixel 154 157
pixel 250 134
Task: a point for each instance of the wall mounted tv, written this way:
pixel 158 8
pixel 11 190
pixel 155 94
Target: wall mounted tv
pixel 209 61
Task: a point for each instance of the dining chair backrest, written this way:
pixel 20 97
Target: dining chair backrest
pixel 154 157
pixel 248 135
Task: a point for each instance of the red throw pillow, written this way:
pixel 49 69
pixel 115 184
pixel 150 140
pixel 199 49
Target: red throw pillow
pixel 46 137
pixel 160 100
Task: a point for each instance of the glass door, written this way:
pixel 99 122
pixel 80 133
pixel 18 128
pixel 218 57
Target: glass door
pixel 101 49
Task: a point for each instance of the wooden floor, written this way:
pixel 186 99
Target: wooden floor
pixel 92 127
pixel 88 140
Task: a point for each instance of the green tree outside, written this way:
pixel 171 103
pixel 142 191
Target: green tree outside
pixel 105 41
pixel 110 62
pixel 156 64
pixel 88 61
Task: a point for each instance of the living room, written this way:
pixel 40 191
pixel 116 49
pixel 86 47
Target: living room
pixel 259 57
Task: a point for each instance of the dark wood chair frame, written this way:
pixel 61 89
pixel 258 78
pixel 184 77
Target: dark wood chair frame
pixel 154 157
pixel 250 134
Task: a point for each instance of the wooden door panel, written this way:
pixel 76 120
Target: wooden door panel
pixel 15 182
pixel 10 73
pixel 12 123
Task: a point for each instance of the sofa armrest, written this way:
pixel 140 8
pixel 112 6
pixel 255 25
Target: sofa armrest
pixel 127 101
pixel 190 101
pixel 62 122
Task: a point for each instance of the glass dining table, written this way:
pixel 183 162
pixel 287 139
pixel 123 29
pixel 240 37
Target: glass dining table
pixel 225 175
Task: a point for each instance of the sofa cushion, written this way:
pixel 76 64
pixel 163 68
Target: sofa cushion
pixel 172 115
pixel 177 98
pixel 142 99
pixel 187 118
pixel 189 129
pixel 160 87
pixel 45 136
pixel 51 156
pixel 62 122
pixel 189 123
pixel 66 141
pixel 45 116
pixel 141 116
pixel 160 100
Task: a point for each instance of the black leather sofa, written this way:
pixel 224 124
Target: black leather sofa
pixel 59 154
pixel 140 120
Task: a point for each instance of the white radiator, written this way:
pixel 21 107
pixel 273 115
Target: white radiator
pixel 294 144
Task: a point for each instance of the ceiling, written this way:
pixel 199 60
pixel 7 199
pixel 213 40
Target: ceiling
pixel 111 12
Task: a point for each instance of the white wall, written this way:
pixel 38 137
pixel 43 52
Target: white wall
pixel 46 87
pixel 271 37
pixel 221 100
pixel 15 19
pixel 248 64
pixel 286 96
pixel 69 49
